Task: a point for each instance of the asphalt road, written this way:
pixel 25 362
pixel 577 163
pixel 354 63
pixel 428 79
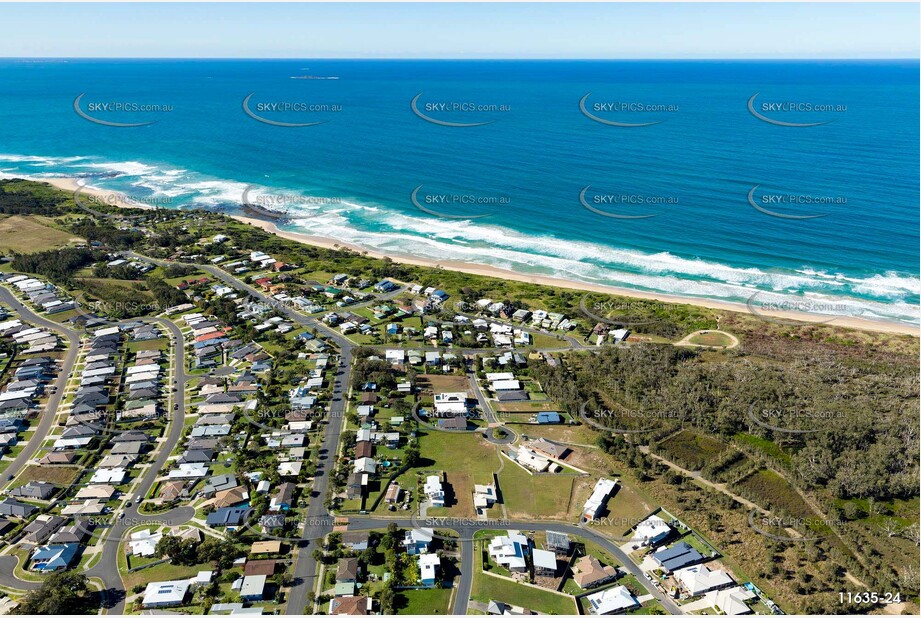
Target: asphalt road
pixel 466 531
pixel 54 401
pixel 305 570
pixel 317 519
pixel 107 567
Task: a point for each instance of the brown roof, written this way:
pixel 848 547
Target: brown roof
pixel 259 567
pixel 351 606
pixel 172 490
pixel 230 497
pixel 347 569
pixel 367 398
pixel 588 571
pixel 298 415
pixel 363 449
pixel 557 451
pixel 58 458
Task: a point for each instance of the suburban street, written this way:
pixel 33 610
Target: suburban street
pixel 318 521
pixel 305 570
pixel 106 568
pixel 54 401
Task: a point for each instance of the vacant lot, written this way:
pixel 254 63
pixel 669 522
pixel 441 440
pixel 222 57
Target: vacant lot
pixel 442 384
pixel 423 602
pixel 526 407
pixel 27 235
pixel 466 459
pixel 59 475
pixel 545 496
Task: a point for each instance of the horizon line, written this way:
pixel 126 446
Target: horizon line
pixel 505 59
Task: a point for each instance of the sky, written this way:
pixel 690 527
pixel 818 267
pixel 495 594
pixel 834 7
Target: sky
pixel 507 31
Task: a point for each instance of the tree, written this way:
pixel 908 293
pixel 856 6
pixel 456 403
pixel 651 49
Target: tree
pixel 386 600
pixel 61 593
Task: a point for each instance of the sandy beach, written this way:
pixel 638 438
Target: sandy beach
pixel 500 273
pixel 110 198
pixel 116 199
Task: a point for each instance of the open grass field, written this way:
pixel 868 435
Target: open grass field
pixel 543 496
pixel 525 407
pixel 763 444
pixel 163 572
pixel 487 588
pixel 28 235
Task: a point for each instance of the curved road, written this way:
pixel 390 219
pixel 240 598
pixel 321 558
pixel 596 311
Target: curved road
pixel 54 401
pixel 107 567
pixel 319 521
pixel 466 533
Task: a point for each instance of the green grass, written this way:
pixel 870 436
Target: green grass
pixel 764 445
pixel 163 572
pixel 711 339
pixel 424 602
pixel 538 496
pixel 465 458
pixel 487 588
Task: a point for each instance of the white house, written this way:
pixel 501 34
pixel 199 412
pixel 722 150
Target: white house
pixel 165 594
pixel 614 600
pixel 434 490
pixel 698 579
pixel 451 404
pixel 510 551
pixel 652 530
pixel 599 498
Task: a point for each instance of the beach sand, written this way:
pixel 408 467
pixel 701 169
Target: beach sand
pixel 500 273
pixel 115 199
pixel 110 198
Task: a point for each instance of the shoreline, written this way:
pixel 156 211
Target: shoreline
pixel 501 273
pixel 109 198
pixel 879 326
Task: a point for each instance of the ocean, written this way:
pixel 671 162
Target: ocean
pixel 692 178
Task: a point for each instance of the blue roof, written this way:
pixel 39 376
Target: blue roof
pixel 677 556
pixel 227 516
pixel 548 417
pixel 55 557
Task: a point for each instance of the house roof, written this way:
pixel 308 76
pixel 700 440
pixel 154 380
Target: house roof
pixel 259 567
pixel 347 568
pixel 588 571
pixel 227 516
pixel 54 557
pixel 677 556
pixel 351 606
